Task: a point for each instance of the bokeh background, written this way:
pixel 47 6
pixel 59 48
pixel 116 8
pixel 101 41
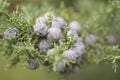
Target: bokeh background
pixel 80 10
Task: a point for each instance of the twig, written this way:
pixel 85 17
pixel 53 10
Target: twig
pixel 1 36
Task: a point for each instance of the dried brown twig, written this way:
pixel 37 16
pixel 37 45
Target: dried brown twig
pixel 1 36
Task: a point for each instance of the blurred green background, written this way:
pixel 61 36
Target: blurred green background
pixel 80 10
pixel 91 72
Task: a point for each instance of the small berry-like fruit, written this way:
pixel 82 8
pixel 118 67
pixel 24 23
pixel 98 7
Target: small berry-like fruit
pixel 90 39
pixel 61 21
pixel 60 66
pixel 54 34
pixel 111 40
pixel 56 25
pixel 70 54
pixel 11 32
pixel 43 45
pixel 74 25
pixel 41 29
pixel 80 46
pixel 32 64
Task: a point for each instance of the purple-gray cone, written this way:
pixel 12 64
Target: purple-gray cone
pixel 90 39
pixel 41 29
pixel 56 25
pixel 111 40
pixel 43 45
pixel 54 34
pixel 70 54
pixel 32 64
pixel 61 21
pixel 11 32
pixel 74 25
pixel 78 47
pixel 60 66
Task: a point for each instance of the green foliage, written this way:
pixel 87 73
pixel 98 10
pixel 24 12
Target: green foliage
pixel 3 6
pixel 110 54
